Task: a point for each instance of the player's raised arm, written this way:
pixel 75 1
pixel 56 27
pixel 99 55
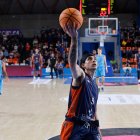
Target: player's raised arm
pixel 77 72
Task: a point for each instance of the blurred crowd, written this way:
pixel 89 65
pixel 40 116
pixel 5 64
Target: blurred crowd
pixel 130 43
pixel 18 50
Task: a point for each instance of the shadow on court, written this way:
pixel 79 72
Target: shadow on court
pixel 114 132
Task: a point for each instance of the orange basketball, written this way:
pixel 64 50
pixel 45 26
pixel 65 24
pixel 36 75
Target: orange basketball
pixel 70 16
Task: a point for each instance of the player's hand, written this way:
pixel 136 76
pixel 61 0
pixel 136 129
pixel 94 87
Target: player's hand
pixel 71 30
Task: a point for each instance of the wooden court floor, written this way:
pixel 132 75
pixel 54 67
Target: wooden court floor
pixel 35 111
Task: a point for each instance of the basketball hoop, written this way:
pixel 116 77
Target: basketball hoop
pixel 102 33
pixel 92 31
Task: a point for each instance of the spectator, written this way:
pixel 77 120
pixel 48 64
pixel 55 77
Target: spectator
pixel 114 65
pixel 127 69
pixel 5 53
pixel 128 53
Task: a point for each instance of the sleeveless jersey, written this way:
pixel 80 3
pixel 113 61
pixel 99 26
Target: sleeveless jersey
pixel 100 60
pixel 36 58
pixel 83 99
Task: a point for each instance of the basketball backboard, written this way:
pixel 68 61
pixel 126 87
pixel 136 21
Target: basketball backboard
pixel 99 26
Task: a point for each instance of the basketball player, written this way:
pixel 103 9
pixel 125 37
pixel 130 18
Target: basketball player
pixel 2 71
pixel 81 122
pixel 36 61
pixel 137 58
pixel 101 67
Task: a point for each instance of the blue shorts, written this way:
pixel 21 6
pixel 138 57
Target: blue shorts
pixel 37 67
pixel 100 71
pixel 82 132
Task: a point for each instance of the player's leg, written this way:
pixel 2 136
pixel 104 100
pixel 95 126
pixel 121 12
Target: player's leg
pixel 97 75
pixel 34 75
pixel 38 69
pixel 1 85
pixel 103 78
pixel 102 83
pixel 51 73
pixel 33 72
pixel 38 74
pixel 56 72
